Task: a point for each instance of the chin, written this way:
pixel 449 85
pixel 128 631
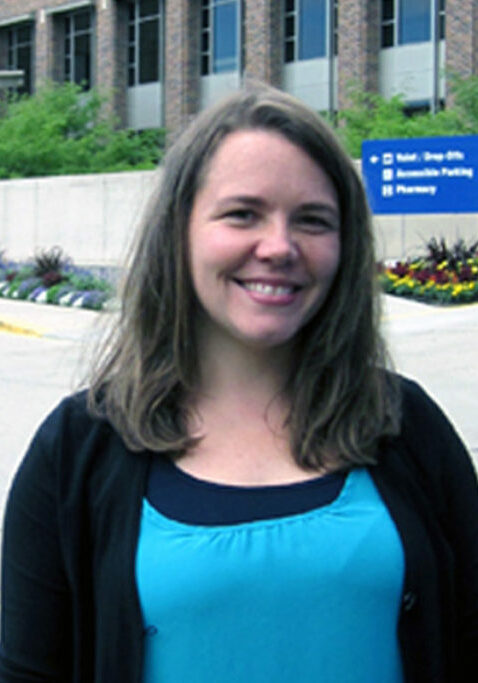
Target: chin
pixel 267 339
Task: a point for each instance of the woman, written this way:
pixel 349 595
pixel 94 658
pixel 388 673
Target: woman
pixel 245 493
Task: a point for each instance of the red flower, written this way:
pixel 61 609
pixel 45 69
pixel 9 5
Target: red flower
pixel 400 269
pixel 466 274
pixel 423 275
pixel 440 277
pixel 52 278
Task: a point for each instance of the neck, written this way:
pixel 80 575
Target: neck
pixel 240 414
pixel 229 367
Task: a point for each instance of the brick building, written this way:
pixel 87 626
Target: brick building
pixel 163 60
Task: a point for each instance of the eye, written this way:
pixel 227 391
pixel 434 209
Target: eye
pixel 314 223
pixel 239 216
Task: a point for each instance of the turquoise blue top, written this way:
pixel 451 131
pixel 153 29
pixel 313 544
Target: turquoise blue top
pixel 309 597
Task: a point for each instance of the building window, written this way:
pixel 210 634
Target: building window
pixel 20 53
pixel 78 28
pixel 220 39
pixel 144 42
pixel 441 19
pixel 410 21
pixel 306 31
pixel 414 21
pixel 388 23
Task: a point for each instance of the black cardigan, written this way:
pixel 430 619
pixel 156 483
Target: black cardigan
pixel 70 612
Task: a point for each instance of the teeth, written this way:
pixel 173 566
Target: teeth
pixel 263 288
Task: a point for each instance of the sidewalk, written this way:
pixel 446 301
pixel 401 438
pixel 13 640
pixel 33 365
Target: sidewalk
pixel 43 320
pixel 438 346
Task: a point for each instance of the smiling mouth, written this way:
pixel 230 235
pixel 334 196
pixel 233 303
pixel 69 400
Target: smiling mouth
pixel 268 289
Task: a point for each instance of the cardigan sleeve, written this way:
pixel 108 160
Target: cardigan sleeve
pixel 450 476
pixel 36 640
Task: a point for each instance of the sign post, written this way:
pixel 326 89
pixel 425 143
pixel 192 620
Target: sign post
pixel 422 175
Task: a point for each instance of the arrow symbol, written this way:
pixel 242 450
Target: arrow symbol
pixel 374 159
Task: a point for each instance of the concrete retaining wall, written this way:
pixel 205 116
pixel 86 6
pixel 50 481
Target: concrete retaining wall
pixel 404 236
pixel 93 218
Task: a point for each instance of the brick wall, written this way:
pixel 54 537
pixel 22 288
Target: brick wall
pixel 359 45
pixel 263 41
pixel 112 55
pixel 461 34
pixel 181 77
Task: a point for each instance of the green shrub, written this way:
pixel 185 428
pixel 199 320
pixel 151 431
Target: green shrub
pixel 89 282
pixel 64 130
pixel 372 117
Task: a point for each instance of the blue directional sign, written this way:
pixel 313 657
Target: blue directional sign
pixel 422 175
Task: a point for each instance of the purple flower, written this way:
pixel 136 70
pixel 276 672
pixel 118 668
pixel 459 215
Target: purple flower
pixel 27 286
pixel 36 293
pixel 94 299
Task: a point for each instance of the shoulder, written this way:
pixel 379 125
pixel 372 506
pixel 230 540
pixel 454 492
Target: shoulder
pixel 70 426
pixel 428 449
pixel 424 425
pixel 67 440
pixel 417 404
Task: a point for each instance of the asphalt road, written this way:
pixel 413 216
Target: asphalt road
pixel 44 352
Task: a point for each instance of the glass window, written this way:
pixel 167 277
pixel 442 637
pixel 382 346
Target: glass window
pixel 388 23
pixel 20 53
pixel 414 21
pixel 144 53
pixel 441 20
pixel 149 51
pixel 336 27
pixel 312 29
pixel 220 22
pixel 83 60
pixel 225 37
pixel 82 21
pixel 306 24
pixel 147 8
pixel 387 10
pixel 78 28
pixel 410 21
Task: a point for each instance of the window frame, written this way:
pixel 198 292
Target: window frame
pixel 387 41
pixel 71 34
pixel 291 11
pixel 135 22
pixel 14 44
pixel 207 47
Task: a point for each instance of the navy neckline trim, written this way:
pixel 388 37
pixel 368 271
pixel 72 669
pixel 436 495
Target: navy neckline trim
pixel 184 498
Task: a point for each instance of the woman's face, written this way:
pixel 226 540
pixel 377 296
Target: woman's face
pixel 264 242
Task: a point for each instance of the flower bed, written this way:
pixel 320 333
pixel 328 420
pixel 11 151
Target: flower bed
pixel 444 275
pixel 51 278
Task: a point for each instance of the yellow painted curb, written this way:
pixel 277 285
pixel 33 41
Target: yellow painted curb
pixel 17 329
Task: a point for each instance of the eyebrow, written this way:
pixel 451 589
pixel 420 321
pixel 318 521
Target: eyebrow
pixel 320 208
pixel 251 200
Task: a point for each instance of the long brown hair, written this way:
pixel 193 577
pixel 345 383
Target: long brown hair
pixel 342 401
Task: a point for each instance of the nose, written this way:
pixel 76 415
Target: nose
pixel 276 242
